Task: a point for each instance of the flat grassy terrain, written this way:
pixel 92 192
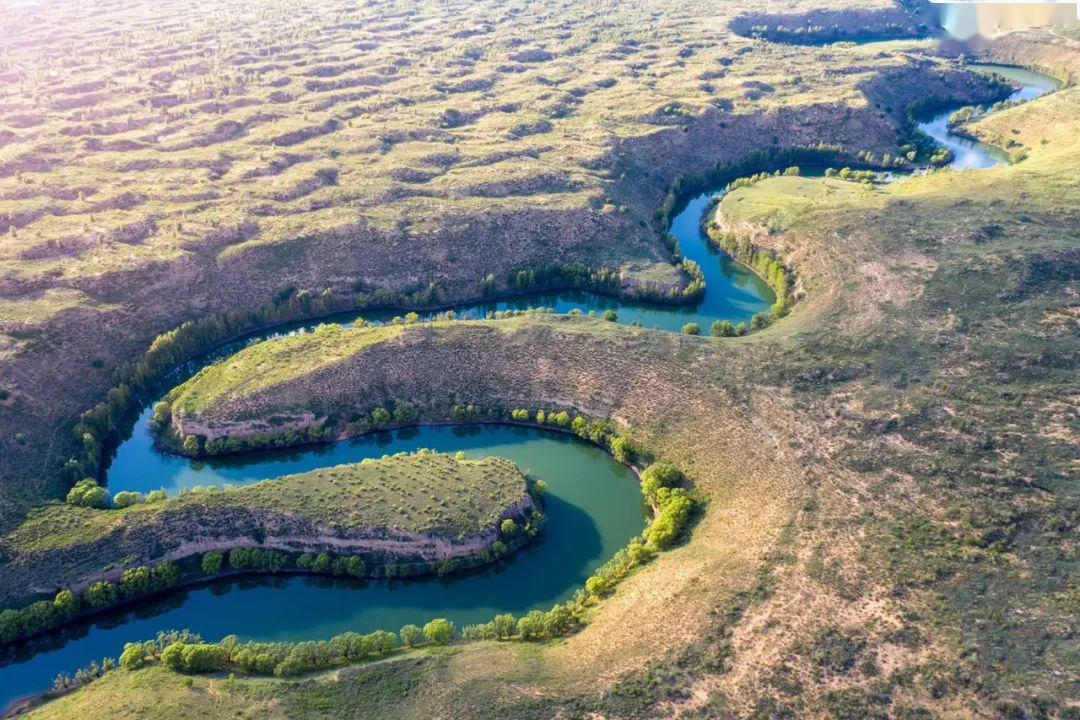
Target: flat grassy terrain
pixel 162 162
pixel 417 505
pixel 890 470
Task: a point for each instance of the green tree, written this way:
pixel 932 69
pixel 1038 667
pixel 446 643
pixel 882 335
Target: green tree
pixel 87 493
pixel 66 604
pixel 101 594
pixel 508 528
pixel 172 656
pixel 134 656
pixel 531 626
pixel 126 499
pixel 610 315
pixel 722 328
pixel 520 415
pixel 558 620
pixel 380 417
pixel 660 474
pixel 11 625
pixel 212 562
pixel 439 631
pixel 691 329
pixel 406 412
pixel 204 657
pixel 504 625
pixel 382 641
pixel 323 563
pixel 410 635
pixel 191 445
pixel 620 449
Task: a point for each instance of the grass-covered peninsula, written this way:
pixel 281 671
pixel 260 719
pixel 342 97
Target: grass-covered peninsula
pixel 402 515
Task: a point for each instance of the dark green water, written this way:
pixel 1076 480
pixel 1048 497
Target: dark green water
pixel 593 505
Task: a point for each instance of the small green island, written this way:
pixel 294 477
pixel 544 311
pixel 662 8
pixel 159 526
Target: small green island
pixel 399 516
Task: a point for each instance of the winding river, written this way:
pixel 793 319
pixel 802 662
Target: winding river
pixel 593 503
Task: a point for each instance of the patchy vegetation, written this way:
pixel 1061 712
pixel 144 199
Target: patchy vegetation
pixel 887 474
pixel 399 516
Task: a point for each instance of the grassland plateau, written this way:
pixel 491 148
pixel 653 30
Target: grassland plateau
pixel 888 473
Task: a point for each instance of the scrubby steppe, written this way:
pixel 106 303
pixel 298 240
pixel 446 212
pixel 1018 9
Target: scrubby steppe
pixel 163 162
pixel 891 470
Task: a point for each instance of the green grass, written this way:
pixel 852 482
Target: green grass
pixel 264 365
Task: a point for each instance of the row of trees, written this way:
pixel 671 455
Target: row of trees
pixel 846 173
pixel 45 615
pixel 814 34
pixel 187 653
pixel 764 263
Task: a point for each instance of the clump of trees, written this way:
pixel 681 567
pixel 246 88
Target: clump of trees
pixel 724 328
pixel 659 484
pixel 87 493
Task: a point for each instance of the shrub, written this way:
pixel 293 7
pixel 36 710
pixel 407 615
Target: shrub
pixel 439 631
pixel 101 594
pixel 659 475
pixel 410 635
pixel 531 626
pixel 156 496
pixel 380 417
pixel 11 625
pixel 508 528
pixel 675 509
pixel 127 498
pixel 323 563
pixel 406 412
pixel 722 328
pixel 520 415
pixel 172 656
pixel 610 315
pixel 135 656
pixel 504 625
pixel 691 329
pixel 204 657
pixel 87 493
